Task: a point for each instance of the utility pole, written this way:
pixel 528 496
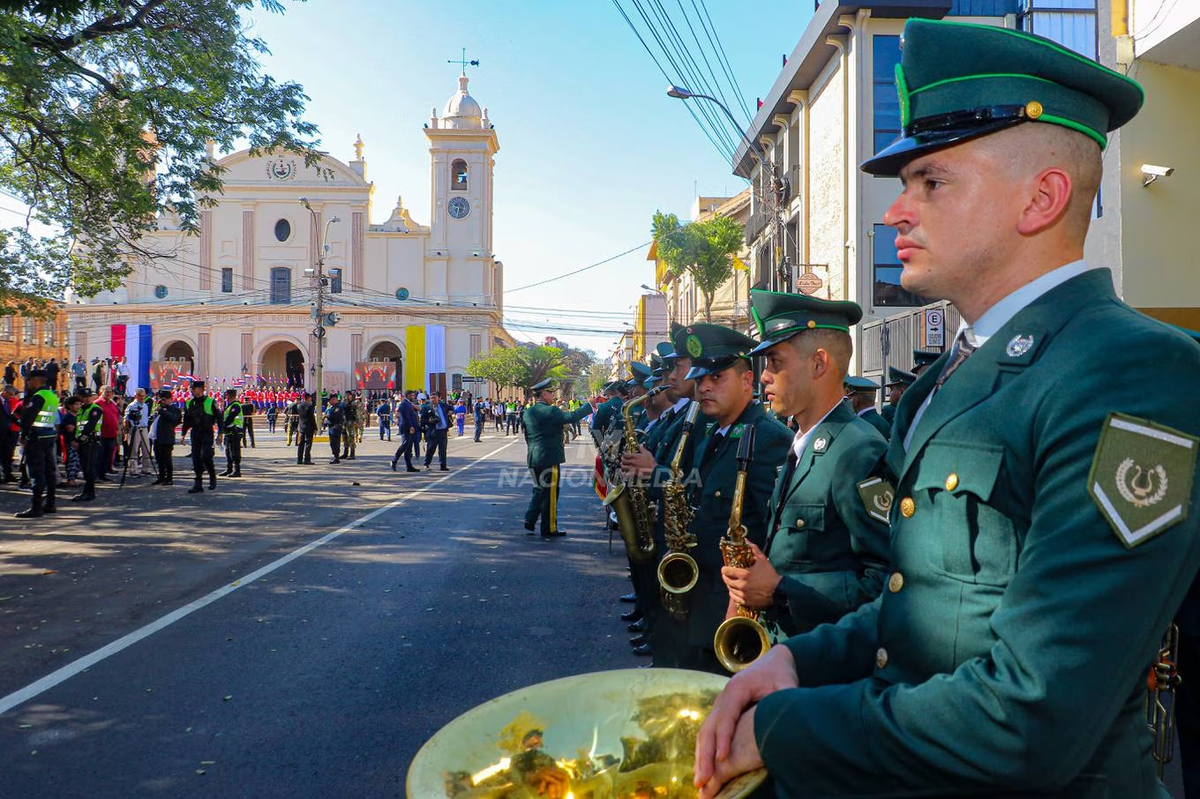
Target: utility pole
pixel 319 330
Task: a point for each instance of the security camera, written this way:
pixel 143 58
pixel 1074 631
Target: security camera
pixel 309 272
pixel 1152 172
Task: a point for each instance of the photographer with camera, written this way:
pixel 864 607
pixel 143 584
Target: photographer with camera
pixel 137 425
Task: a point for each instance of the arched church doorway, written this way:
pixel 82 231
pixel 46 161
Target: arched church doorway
pixel 388 351
pixel 283 362
pixel 179 351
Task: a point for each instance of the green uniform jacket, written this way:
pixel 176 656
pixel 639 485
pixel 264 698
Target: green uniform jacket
pixel 831 551
pixel 888 414
pixel 1011 659
pixel 876 420
pixel 605 415
pixel 543 425
pixel 712 500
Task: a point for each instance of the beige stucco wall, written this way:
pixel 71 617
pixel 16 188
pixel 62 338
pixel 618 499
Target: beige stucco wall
pixel 826 179
pixel 1159 254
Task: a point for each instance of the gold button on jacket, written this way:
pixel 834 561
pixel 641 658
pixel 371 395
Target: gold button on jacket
pixel 895 582
pixel 908 507
pixel 952 482
pixel 881 658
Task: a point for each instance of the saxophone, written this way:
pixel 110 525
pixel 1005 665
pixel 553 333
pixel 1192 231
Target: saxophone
pixel 678 571
pixel 741 639
pixel 628 497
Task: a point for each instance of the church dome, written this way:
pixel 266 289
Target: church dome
pixel 462 110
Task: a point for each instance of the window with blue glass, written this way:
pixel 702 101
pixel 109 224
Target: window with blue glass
pixel 885 55
pixel 281 285
pixel 227 280
pixel 886 288
pixel 335 281
pixel 982 8
pixel 1071 23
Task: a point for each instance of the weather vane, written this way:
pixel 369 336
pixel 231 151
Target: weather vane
pixel 463 62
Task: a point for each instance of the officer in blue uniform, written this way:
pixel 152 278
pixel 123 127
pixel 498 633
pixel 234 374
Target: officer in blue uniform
pixel 1044 528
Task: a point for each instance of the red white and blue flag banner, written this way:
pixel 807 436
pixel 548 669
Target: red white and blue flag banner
pixel 134 343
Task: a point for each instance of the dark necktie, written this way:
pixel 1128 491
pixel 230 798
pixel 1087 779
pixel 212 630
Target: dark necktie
pixel 958 355
pixel 713 444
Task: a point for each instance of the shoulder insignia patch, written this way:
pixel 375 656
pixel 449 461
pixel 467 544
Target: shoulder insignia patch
pixel 1141 478
pixel 877 497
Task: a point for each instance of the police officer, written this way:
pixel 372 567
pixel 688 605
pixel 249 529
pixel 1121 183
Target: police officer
pixel 861 392
pixel 200 416
pixel 233 420
pixel 167 417
pixel 39 432
pixel 87 442
pixel 335 421
pixel 384 411
pixel 480 412
pixel 543 425
pixel 826 552
pixel 305 422
pixel 1044 530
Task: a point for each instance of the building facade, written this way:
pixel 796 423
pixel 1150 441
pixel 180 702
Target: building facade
pixel 239 299
pixel 23 337
pixel 816 221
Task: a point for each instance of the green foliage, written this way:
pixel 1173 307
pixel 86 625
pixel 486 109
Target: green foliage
pixel 597 378
pixel 105 110
pixel 519 367
pixel 702 249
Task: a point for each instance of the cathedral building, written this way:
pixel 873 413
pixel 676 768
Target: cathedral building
pixel 405 303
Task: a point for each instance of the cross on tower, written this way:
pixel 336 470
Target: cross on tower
pixel 463 62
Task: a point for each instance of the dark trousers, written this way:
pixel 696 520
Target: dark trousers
pixel 202 455
pixel 478 429
pixel 335 441
pixel 39 459
pixel 385 427
pixel 8 446
pixel 304 439
pixel 499 422
pixel 511 424
pixel 88 458
pixel 1187 713
pixel 544 502
pixel 163 456
pixel 80 382
pixel 108 449
pixel 435 442
pixel 405 450
pixel 233 452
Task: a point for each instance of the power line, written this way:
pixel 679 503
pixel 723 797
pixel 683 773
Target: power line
pixel 729 73
pixel 577 271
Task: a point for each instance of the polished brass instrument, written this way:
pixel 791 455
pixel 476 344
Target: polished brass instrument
pixel 628 497
pixel 677 571
pixel 1161 684
pixel 610 734
pixel 740 640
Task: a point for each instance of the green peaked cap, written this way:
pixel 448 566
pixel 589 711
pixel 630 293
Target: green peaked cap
pixel 925 357
pixel 780 315
pixel 861 384
pixel 714 348
pixel 542 385
pixel 958 80
pixel 640 371
pixel 899 377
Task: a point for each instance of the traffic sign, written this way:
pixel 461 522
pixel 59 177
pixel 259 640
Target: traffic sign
pixel 935 327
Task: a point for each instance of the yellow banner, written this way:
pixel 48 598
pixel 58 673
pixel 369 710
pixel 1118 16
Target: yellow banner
pixel 740 265
pixel 414 358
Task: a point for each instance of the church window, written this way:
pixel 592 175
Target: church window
pixel 458 175
pixel 227 280
pixel 283 230
pixel 281 285
pixel 27 332
pixel 6 328
pixel 335 281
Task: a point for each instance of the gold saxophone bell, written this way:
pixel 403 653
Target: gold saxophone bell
pixel 739 641
pixel 678 572
pixel 621 733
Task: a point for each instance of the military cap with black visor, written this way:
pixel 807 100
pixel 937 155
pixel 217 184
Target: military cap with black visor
pixel 779 316
pixel 714 348
pixel 957 81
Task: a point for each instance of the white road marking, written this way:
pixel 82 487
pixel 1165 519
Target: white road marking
pixel 32 690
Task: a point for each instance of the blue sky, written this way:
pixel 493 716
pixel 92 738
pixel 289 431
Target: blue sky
pixel 590 145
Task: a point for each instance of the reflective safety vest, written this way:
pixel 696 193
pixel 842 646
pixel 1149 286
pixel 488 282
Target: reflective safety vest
pixel 81 433
pixel 234 417
pixel 209 405
pixel 47 418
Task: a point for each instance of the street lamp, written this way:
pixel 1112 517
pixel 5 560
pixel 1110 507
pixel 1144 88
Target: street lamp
pixel 319 330
pixel 778 184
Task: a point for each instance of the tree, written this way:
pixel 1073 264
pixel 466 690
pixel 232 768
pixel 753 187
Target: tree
pixel 702 249
pixel 502 366
pixel 541 363
pixel 106 110
pixel 598 377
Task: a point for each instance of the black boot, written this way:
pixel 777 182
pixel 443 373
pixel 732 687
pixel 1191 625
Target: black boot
pixel 212 480
pixel 196 488
pixel 50 507
pixel 35 512
pixel 86 496
pixel 228 470
pixel 237 470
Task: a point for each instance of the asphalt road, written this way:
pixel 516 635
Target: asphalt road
pixel 321 677
pixel 154 644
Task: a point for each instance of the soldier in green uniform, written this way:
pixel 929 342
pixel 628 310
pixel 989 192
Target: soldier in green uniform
pixel 1044 531
pixel 861 393
pixel 923 359
pixel 826 550
pixel 608 409
pixel 543 424
pixel 233 420
pixel 898 382
pixel 200 415
pixel 725 390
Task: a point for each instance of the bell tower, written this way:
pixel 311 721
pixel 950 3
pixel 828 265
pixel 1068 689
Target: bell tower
pixel 462 146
